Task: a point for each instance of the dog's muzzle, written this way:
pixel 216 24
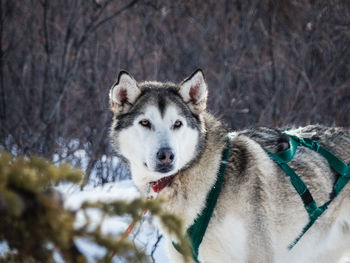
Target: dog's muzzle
pixel 165 160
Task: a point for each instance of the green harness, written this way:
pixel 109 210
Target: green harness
pixel 343 170
pixel 197 230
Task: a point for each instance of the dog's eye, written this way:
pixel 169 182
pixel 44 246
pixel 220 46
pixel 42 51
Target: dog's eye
pixel 145 123
pixel 177 124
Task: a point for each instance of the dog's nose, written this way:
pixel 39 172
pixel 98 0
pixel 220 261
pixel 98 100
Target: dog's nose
pixel 165 155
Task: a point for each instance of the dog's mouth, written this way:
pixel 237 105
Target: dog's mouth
pixel 159 185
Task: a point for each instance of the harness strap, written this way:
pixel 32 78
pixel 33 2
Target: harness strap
pixel 282 158
pixel 314 211
pixel 197 230
pixel 336 163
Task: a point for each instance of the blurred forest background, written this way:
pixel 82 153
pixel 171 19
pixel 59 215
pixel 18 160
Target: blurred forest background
pixel 267 62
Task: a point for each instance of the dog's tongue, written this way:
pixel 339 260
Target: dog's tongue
pixel 162 183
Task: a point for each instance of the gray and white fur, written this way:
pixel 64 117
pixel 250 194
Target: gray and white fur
pixel 162 129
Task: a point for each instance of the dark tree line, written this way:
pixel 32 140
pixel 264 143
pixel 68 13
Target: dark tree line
pixel 268 62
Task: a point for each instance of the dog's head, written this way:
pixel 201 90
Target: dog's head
pixel 157 126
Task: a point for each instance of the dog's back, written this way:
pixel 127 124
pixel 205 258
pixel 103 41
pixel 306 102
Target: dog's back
pixel 276 212
pixel 336 139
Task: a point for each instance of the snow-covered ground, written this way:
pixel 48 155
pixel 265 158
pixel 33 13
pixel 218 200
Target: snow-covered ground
pixel 146 235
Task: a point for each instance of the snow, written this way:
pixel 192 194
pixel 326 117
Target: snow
pixel 145 235
pixel 74 197
pixel 3 248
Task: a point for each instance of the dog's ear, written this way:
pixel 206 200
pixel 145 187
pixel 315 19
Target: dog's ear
pixel 124 93
pixel 194 91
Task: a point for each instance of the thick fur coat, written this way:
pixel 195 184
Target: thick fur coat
pixel 163 129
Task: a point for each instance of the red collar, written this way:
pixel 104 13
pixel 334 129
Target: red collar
pixel 162 183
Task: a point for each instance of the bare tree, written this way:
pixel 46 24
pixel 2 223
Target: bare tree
pixel 267 62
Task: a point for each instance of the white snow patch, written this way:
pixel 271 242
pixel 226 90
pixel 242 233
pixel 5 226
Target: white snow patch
pixel 4 248
pixel 145 235
pixel 74 197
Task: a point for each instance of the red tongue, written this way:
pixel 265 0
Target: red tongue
pixel 162 183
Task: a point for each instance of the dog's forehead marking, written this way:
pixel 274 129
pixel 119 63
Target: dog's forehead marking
pixel 167 114
pixel 159 94
pixel 161 104
pixel 152 112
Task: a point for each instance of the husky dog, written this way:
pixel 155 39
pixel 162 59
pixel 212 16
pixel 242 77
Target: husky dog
pixel 169 140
